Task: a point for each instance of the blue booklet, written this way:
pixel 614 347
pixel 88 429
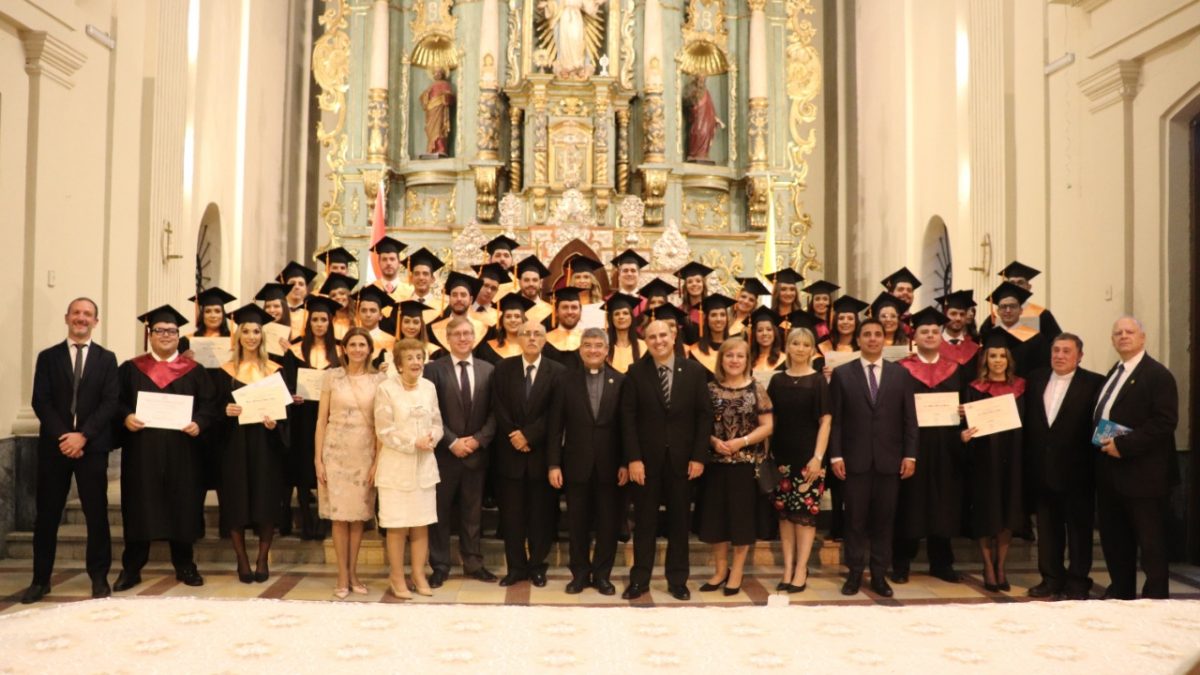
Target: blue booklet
pixel 1107 430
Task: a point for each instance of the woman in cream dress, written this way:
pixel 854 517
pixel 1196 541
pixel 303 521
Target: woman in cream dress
pixel 409 426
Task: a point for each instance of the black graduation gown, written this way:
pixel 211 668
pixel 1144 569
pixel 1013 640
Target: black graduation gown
pixel 994 470
pixel 251 466
pixel 299 469
pixel 931 500
pixel 212 439
pixel 162 471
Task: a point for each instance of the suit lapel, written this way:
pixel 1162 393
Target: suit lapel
pixel 540 378
pixel 455 391
pixel 65 359
pixel 608 397
pixel 1129 381
pixel 675 379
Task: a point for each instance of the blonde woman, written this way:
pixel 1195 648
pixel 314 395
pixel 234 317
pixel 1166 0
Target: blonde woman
pixel 409 427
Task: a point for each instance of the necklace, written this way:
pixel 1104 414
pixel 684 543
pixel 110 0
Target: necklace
pixel 407 386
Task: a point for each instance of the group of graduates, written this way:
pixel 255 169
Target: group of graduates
pixel 614 424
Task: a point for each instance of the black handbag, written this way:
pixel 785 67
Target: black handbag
pixel 767 475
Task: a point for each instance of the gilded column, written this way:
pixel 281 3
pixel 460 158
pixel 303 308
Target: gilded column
pixel 758 179
pixel 602 183
pixel 516 167
pixel 541 148
pixel 654 128
pixel 622 150
pixel 487 164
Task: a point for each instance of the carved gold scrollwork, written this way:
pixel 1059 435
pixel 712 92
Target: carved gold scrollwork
pixel 654 128
pixel 804 83
pixel 726 267
pixel 628 54
pixel 514 43
pixel 433 28
pixel 654 188
pixel 705 38
pixel 430 209
pixel 331 70
pixel 487 128
pixel 706 214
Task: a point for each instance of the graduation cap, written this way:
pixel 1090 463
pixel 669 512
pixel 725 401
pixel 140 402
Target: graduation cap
pixel 999 338
pixel 900 276
pixel 273 291
pixel 493 271
pixel 886 299
pixel 530 263
pixel 336 281
pixel 413 308
pixel 389 245
pixel 848 304
pixel 821 288
pixel 621 301
pixel 500 243
pixel 1019 270
pixel 337 255
pixel 251 313
pixel 764 314
pixel 753 285
pixel 717 301
pixel 802 319
pixel 786 275
pixel 656 288
pixel 629 257
pixel 928 316
pixel 163 314
pixel 1008 289
pixel 582 263
pixel 667 312
pixel 693 269
pixel 964 299
pixel 513 301
pixel 566 294
pixel 424 256
pixel 317 303
pixel 374 294
pixel 212 296
pixel 458 279
pixel 294 269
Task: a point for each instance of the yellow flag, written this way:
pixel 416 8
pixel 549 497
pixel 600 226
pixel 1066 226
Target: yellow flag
pixel 768 262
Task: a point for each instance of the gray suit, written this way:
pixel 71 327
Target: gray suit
pixel 461 478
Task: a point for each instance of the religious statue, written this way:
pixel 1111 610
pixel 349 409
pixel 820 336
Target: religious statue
pixel 438 103
pixel 574 30
pixel 703 121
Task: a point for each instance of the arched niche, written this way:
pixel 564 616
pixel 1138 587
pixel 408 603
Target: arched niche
pixel 937 271
pixel 208 248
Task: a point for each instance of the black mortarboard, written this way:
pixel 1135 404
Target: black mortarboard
pixel 1008 289
pixel 901 275
pixel 374 294
pixel 294 269
pixel 997 338
pixel 582 263
pixel 212 296
pixel 500 242
pixel 513 301
pixel 656 287
pixel 667 312
pixel 821 288
pixel 336 281
pixel 848 304
pixel 251 313
pixel 629 256
pixel 164 314
pixel 1019 270
pixel 753 285
pixel 693 269
pixel 337 255
pixel 566 294
pixel 424 256
pixel 621 301
pixel 802 319
pixel 413 308
pixel 317 303
pixel 457 279
pixel 389 245
pixel 764 314
pixel 886 299
pixel 273 291
pixel 717 301
pixel 530 263
pixel 786 275
pixel 964 299
pixel 493 271
pixel 927 316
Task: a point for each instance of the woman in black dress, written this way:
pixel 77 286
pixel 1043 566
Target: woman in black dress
pixel 801 395
pixel 252 459
pixel 994 464
pixel 211 322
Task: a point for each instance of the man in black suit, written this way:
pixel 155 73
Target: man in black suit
pixel 527 394
pixel 589 462
pixel 75 392
pixel 464 396
pixel 1060 471
pixel 873 446
pixel 666 421
pixel 1136 470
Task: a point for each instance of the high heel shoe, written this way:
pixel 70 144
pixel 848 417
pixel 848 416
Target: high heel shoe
pixel 1003 586
pixel 422 587
pixel 731 590
pixel 709 588
pixel 403 594
pixel 341 593
pixel 261 575
pixel 245 577
pixel 360 589
pixel 783 585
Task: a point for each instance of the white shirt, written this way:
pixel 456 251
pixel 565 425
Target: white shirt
pixel 537 368
pixel 1130 365
pixel 925 360
pixel 87 347
pixel 878 371
pixel 470 370
pixel 169 359
pixel 394 283
pixel 962 336
pixel 1056 389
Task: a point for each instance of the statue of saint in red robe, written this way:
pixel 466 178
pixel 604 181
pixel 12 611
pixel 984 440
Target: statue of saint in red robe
pixel 438 102
pixel 703 119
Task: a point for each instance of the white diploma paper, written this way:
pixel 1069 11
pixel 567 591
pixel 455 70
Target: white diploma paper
pixel 835 359
pixel 591 317
pixel 272 333
pixel 993 415
pixel 308 383
pixel 211 352
pixel 269 397
pixel 937 409
pixel 164 411
pixel 895 352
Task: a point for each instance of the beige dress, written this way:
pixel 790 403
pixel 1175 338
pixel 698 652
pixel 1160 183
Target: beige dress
pixel 407 478
pixel 349 448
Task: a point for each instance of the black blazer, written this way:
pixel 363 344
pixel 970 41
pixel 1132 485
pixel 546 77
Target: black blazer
pixel 873 437
pixel 443 373
pixel 539 418
pixel 1148 403
pixel 96 405
pixel 1061 457
pixel 658 435
pixel 589 441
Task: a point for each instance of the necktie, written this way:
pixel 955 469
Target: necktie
pixel 464 387
pixel 955 341
pixel 872 382
pixel 1108 392
pixel 75 380
pixel 390 288
pixel 664 382
pixel 528 380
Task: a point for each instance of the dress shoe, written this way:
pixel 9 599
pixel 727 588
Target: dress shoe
pixel 127 580
pixel 899 576
pixel 34 593
pixel 482 574
pixel 576 586
pixel 730 591
pixel 623 537
pixel 605 587
pixel 1003 586
pixel 1042 590
pixel 709 588
pixel 513 578
pixel 246 577
pixel 437 579
pixel 100 588
pixel 853 583
pixel 783 585
pixel 792 588
pixel 189 577
pixel 991 588
pixel 947 574
pixel 880 586
pixel 633 592
pixel 261 575
pixel 680 592
pixel 1076 595
pixel 538 579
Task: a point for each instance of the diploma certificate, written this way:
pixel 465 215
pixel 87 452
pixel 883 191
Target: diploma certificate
pixel 895 352
pixel 591 316
pixel 835 359
pixel 993 415
pixel 937 409
pixel 272 333
pixel 308 383
pixel 211 352
pixel 163 411
pixel 269 397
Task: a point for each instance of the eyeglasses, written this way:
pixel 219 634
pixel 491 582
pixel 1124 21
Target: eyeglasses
pixel 529 333
pixel 165 332
pixel 1008 306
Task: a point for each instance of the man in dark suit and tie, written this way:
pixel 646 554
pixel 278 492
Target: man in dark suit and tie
pixel 1135 471
pixel 666 421
pixel 527 392
pixel 75 391
pixel 589 463
pixel 464 396
pixel 872 446
pixel 1060 468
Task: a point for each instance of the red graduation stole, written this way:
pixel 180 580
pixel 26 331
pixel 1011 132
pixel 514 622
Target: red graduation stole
pixel 961 353
pixel 929 374
pixel 1016 387
pixel 163 373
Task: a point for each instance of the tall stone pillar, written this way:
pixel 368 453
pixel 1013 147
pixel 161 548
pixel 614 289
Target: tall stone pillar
pixel 987 138
pixel 758 179
pixel 487 162
pixel 654 127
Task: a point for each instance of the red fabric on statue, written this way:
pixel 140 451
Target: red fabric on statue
pixel 703 125
pixel 163 373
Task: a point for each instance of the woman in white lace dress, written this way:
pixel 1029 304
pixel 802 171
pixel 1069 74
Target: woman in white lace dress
pixel 409 426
